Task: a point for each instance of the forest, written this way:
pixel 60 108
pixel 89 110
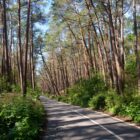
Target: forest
pixel 83 52
pixel 93 55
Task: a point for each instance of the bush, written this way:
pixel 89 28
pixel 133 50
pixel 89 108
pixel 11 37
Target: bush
pixel 78 96
pixel 114 103
pixel 97 102
pixel 34 94
pixel 94 85
pixel 84 90
pixel 4 85
pixel 133 109
pixel 20 118
pixel 61 98
pixel 15 88
pixel 93 93
pixel 131 74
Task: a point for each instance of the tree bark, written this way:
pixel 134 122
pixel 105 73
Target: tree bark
pixel 20 48
pixel 26 48
pixel 137 46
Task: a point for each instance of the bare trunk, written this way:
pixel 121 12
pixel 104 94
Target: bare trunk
pixel 137 47
pixel 26 49
pixel 20 49
pixel 5 43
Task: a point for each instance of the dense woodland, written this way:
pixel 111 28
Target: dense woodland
pixel 19 48
pixel 93 55
pixel 89 37
pixel 88 54
pixel 85 38
pixel 20 118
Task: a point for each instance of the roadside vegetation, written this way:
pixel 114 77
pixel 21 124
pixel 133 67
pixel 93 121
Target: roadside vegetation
pixel 21 117
pixel 87 55
pixel 93 55
pixel 94 93
pixel 21 113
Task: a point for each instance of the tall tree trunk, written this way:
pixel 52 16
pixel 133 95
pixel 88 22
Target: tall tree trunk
pixel 137 46
pixel 107 57
pixel 26 48
pixel 32 59
pixel 49 75
pixel 5 43
pixel 115 57
pixel 20 49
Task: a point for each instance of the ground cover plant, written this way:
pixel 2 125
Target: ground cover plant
pixel 20 118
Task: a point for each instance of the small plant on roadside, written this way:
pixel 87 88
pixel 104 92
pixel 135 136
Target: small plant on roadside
pixel 98 102
pixel 20 118
pixel 133 109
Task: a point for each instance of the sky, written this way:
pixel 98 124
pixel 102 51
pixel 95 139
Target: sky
pixel 43 27
pixel 46 9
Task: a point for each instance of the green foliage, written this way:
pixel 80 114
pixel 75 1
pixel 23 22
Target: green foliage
pixel 15 88
pixel 113 102
pixel 20 118
pixel 130 75
pixel 4 86
pixel 62 98
pixel 130 67
pixel 78 96
pixel 131 37
pixel 97 102
pixel 34 94
pixel 81 93
pixel 94 94
pixel 93 85
pixel 133 109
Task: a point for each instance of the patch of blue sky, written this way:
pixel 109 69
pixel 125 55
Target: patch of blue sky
pixel 43 27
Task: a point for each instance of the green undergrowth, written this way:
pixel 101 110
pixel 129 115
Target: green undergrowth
pixel 94 94
pixel 20 118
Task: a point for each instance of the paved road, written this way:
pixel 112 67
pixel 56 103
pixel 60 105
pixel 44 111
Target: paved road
pixel 67 122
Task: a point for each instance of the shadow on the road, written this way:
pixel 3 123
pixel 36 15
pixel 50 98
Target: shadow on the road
pixel 65 124
pixel 75 130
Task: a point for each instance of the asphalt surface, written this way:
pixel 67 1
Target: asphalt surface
pixel 68 122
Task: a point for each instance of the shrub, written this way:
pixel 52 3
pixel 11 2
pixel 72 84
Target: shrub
pixel 114 103
pixel 84 90
pixel 94 85
pixel 130 74
pixel 78 97
pixel 15 88
pixel 20 118
pixel 133 109
pixel 4 85
pixel 93 93
pixel 97 102
pixel 61 98
pixel 34 94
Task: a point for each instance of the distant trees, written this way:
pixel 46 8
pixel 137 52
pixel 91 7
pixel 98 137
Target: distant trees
pixel 5 59
pixel 88 37
pixel 136 41
pixel 17 50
